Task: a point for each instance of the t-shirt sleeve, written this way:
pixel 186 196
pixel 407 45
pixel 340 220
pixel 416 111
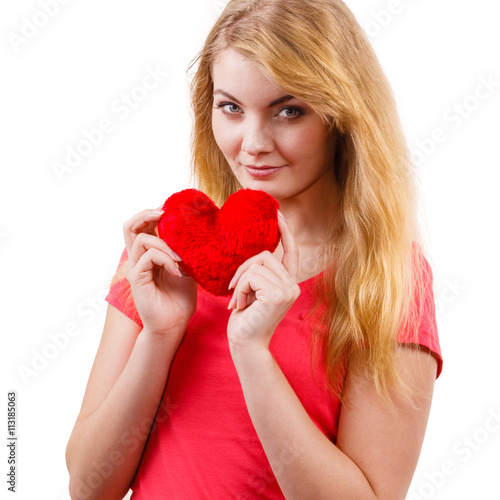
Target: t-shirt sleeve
pixel 120 295
pixel 428 331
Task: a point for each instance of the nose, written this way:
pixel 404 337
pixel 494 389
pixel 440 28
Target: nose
pixel 257 138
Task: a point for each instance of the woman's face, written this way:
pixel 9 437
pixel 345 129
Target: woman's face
pixel 271 140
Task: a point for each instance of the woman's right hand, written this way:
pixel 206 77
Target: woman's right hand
pixel 165 298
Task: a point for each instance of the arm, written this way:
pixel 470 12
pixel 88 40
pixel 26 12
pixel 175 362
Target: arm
pixel 376 452
pixel 131 367
pixel 122 395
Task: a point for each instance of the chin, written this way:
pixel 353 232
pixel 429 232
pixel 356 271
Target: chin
pixel 272 187
pixel 271 190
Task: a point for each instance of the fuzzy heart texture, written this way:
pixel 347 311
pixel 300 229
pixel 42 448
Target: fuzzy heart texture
pixel 213 242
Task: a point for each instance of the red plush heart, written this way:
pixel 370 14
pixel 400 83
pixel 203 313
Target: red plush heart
pixel 214 242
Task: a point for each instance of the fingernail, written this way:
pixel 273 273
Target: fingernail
pixel 157 212
pixel 229 306
pixel 177 257
pixel 281 216
pixel 230 284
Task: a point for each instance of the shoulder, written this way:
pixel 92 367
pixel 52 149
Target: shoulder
pixel 421 329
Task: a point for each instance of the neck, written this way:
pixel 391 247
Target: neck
pixel 312 214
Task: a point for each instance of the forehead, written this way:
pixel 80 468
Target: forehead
pixel 241 77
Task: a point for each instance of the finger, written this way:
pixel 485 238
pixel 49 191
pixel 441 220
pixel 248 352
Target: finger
pixel 246 292
pixel 255 279
pixel 266 259
pixel 143 222
pixel 290 250
pixel 145 265
pixel 144 242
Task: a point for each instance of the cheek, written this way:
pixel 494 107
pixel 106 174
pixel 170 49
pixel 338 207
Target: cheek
pixel 225 136
pixel 305 145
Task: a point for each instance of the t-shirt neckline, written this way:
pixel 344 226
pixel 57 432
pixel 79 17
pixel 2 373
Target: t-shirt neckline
pixel 308 281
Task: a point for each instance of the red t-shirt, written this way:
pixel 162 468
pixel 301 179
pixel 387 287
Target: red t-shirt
pixel 203 444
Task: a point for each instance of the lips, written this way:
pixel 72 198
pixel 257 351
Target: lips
pixel 263 166
pixel 262 171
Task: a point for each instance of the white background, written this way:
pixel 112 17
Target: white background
pixel 60 238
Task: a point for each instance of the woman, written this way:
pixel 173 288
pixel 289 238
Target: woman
pixel 317 382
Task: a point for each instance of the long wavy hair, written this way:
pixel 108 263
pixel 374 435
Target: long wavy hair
pixel 374 265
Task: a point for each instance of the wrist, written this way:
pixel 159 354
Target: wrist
pixel 248 349
pixel 251 361
pixel 163 337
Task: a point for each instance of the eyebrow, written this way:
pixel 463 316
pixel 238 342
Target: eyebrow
pixel 271 104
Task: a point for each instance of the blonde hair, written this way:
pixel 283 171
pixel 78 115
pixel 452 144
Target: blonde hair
pixel 374 265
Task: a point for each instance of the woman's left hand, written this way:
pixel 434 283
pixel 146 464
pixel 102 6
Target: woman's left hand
pixel 264 291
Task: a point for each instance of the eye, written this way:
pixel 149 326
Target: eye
pixel 230 108
pixel 291 113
